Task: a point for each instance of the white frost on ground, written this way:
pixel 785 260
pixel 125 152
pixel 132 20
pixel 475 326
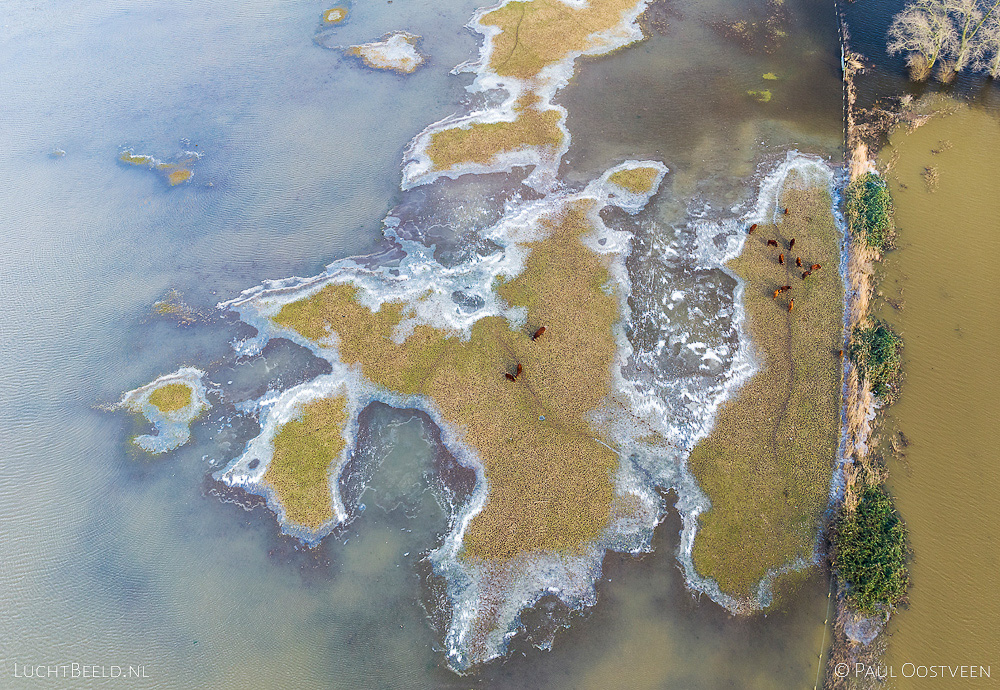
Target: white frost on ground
pixel 397 51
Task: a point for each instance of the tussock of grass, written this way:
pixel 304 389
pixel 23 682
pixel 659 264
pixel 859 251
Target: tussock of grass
pixel 550 480
pixel 172 397
pixel 869 210
pixel 335 15
pixel 636 180
pixel 304 448
pixel 875 350
pixel 536 34
pixel 132 159
pixel 482 142
pixel 766 465
pixel 871 552
pixel 178 175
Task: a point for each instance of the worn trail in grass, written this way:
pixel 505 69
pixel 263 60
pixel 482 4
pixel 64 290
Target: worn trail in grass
pixel 766 465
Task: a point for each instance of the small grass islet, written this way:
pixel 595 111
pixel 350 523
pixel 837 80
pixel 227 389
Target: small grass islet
pixel 870 553
pixel 395 52
pixel 875 351
pixel 335 15
pixel 304 449
pixel 175 173
pixel 172 397
pixel 766 464
pixel 482 142
pixel 869 211
pixel 635 180
pixel 548 469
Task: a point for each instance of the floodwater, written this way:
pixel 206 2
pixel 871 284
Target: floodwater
pixel 110 557
pixel 946 479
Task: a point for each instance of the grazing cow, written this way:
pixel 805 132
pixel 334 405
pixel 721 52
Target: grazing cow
pixel 752 228
pixel 772 243
pixel 798 261
pixel 776 293
pixel 815 267
pixel 806 275
pixel 509 376
pixel 791 304
pixel 781 259
pixel 791 243
pixel 786 212
pixel 518 370
pixel 538 334
pixel 840 353
pixel 786 288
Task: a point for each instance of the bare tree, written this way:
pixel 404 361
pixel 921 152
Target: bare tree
pixel 987 54
pixel 970 16
pixel 925 32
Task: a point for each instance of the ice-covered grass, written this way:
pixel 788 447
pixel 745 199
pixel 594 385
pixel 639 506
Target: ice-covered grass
pixel 396 51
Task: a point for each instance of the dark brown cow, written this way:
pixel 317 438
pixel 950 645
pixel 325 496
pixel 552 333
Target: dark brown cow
pixel 538 334
pixel 772 243
pixel 509 376
pixel 786 212
pixel 752 228
pixel 791 243
pixel 815 267
pixel 806 275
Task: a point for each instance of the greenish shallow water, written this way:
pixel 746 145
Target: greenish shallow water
pixel 113 558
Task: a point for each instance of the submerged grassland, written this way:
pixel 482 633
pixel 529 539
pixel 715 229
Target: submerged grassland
pixel 548 469
pixel 766 465
pixel 172 397
pixel 304 448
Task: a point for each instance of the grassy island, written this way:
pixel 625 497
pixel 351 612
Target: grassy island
pixel 549 470
pixel 533 35
pixel 481 142
pixel 171 397
pixel 335 15
pixel 539 33
pixel 766 465
pixel 304 448
pixel 635 180
pixel 175 173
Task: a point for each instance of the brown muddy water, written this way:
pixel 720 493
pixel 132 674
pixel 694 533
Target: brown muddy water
pixel 944 275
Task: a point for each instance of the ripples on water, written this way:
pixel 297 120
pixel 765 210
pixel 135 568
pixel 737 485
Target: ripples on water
pixel 110 556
